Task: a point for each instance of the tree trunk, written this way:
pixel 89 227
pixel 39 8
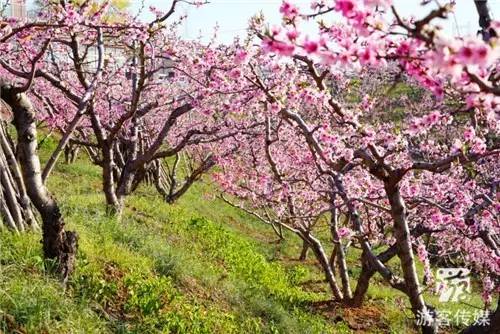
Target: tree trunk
pixel 124 186
pixel 71 153
pixel 61 146
pixel 131 149
pixel 10 197
pixel 303 252
pixel 58 244
pixel 340 256
pixel 108 181
pixel 320 254
pixel 13 166
pixel 367 272
pixel 333 257
pixel 363 283
pixel 405 254
pixel 356 222
pixel 6 215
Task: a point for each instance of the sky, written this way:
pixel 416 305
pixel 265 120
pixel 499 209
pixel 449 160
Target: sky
pixel 232 15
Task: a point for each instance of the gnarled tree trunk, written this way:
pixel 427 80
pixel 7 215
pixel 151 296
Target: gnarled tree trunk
pixel 340 256
pixel 58 244
pixel 320 254
pixel 303 252
pixel 405 254
pixel 71 153
pixel 15 205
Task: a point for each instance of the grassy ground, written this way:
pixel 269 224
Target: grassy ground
pixel 198 266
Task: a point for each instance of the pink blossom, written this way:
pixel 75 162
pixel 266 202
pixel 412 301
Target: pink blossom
pixel 327 58
pixel 315 4
pixel 275 30
pixel 72 16
pixel 469 134
pixel 495 25
pixel 235 73
pixel 413 190
pixel 348 154
pixel 346 7
pixel 457 145
pixel 240 57
pixel 367 103
pixel 474 52
pixel 345 58
pixel 292 34
pixel 415 127
pixel 281 48
pixel 380 3
pixel 288 10
pixel 488 288
pixel 310 46
pixel 436 218
pixel 404 49
pixel 274 107
pixel 433 117
pixel 478 145
pixel 367 56
pixel 344 232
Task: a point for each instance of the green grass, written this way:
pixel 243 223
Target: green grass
pixel 198 266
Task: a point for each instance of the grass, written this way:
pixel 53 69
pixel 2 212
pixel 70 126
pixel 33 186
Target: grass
pixel 198 266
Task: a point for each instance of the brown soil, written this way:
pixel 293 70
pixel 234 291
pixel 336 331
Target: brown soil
pixel 9 322
pixel 361 320
pixel 114 307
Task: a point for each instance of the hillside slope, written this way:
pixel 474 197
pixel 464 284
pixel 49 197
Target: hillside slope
pixel 198 266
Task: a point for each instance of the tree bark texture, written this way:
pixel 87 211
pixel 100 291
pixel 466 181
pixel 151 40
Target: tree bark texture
pixel 58 245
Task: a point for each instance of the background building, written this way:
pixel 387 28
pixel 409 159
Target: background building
pixel 13 8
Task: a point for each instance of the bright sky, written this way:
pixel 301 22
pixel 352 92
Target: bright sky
pixel 232 15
